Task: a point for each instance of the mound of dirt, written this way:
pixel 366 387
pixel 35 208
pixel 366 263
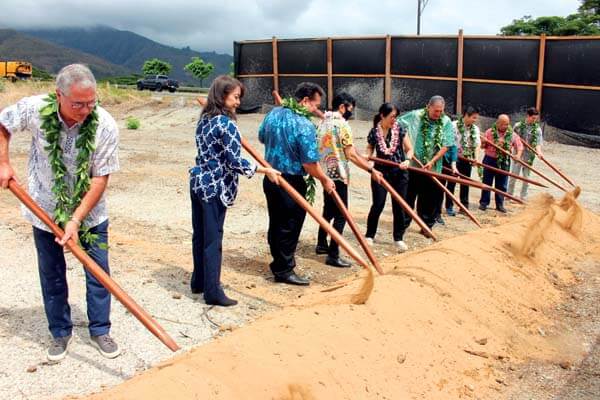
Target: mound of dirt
pixel 439 324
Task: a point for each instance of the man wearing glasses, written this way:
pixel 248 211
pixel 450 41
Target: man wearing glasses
pixel 70 132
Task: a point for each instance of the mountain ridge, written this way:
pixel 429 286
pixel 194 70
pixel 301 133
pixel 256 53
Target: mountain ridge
pixel 51 57
pixel 129 50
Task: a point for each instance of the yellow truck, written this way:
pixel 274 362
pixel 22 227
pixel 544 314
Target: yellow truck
pixel 14 70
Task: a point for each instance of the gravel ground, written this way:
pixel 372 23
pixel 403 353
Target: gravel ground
pixel 162 290
pixel 568 379
pixel 150 238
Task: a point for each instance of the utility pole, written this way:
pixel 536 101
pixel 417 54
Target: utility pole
pixel 421 4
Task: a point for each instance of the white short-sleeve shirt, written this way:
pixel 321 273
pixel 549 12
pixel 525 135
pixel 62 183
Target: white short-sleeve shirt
pixel 25 116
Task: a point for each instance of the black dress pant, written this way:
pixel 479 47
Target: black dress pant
pixel 398 179
pixel 332 211
pixel 440 199
pixel 423 191
pixel 285 223
pixel 464 168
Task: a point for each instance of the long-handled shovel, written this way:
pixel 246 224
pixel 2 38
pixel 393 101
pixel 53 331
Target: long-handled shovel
pixel 501 171
pixel 480 185
pixel 498 148
pixel 301 201
pixel 548 163
pixel 396 196
pixel 445 189
pixel 359 236
pixel 437 182
pixel 95 269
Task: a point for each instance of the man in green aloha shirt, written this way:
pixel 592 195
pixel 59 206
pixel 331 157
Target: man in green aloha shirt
pixel 431 133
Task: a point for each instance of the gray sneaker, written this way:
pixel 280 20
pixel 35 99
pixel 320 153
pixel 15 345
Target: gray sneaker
pixel 105 345
pixel 58 348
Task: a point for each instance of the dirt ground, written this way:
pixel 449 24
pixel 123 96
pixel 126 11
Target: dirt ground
pixel 150 239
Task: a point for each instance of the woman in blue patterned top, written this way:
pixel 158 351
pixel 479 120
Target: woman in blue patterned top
pixel 214 182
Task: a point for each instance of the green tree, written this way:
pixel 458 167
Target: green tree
pixel 231 69
pixel 199 69
pixel 591 7
pixel 585 22
pixel 156 67
pixel 574 24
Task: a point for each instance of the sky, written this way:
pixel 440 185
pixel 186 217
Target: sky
pixel 214 25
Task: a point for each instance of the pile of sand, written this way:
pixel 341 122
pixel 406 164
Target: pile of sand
pixel 440 323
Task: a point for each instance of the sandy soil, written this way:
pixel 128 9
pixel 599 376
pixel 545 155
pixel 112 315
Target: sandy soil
pixel 431 328
pixel 408 341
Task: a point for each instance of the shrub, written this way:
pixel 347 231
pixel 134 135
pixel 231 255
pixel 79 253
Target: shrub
pixel 133 123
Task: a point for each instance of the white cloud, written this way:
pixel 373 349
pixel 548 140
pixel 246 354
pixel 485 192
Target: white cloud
pixel 208 25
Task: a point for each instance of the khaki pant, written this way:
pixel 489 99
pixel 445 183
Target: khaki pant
pixel 518 169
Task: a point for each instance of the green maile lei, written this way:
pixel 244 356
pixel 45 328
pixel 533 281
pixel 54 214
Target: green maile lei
pixel 311 185
pixel 428 146
pixel 480 172
pixel 468 151
pixel 296 107
pixel 502 160
pixel 533 139
pixel 68 199
pixel 311 189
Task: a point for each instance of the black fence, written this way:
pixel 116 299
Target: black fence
pixel 498 74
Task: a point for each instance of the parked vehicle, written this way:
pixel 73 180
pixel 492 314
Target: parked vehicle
pixel 158 83
pixel 14 70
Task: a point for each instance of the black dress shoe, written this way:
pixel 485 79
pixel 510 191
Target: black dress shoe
pixel 501 209
pixel 321 249
pixel 197 290
pixel 222 300
pixel 482 207
pixel 292 279
pixel 337 262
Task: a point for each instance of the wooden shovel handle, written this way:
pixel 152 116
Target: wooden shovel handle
pixel 91 266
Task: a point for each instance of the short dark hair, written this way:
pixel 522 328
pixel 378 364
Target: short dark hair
pixel 470 110
pixel 531 111
pixel 308 89
pixel 343 98
pixel 221 87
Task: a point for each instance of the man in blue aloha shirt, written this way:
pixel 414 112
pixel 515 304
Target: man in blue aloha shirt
pixel 431 133
pixel 290 147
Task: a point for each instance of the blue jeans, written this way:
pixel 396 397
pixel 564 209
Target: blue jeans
pixel 208 218
pixel 490 177
pixel 55 292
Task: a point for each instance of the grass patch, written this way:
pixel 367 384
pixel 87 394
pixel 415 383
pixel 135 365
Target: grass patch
pixel 132 123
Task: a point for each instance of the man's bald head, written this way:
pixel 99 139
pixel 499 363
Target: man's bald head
pixel 502 122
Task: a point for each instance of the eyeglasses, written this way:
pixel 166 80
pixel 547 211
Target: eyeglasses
pixel 78 105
